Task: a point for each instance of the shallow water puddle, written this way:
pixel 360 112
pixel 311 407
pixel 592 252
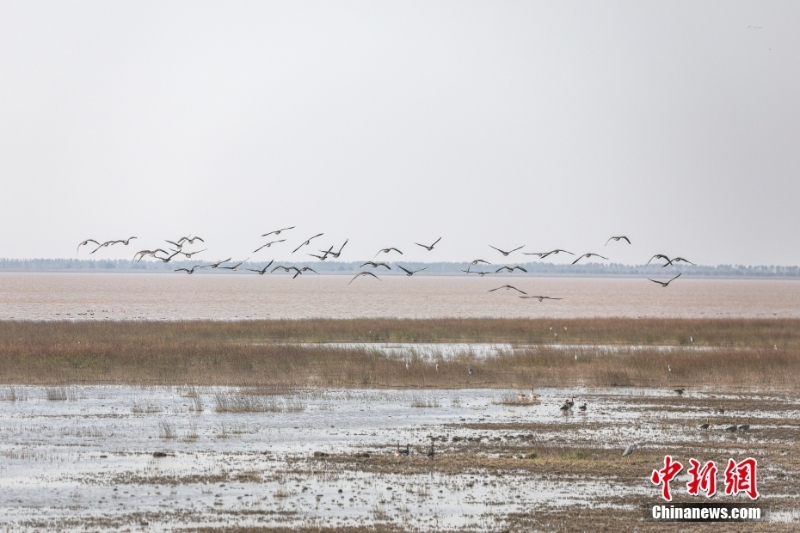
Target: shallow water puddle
pixel 85 456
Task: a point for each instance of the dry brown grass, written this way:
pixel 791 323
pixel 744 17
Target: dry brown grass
pixel 245 353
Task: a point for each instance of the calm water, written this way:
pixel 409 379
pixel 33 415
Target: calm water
pixel 99 296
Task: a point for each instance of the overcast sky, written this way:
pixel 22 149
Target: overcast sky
pixel 544 124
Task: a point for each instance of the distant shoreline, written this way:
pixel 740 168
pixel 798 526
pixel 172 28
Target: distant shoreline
pixel 552 270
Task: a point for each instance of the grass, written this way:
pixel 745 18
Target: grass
pixel 254 354
pixel 166 430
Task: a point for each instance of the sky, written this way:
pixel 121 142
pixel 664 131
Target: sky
pixel 543 124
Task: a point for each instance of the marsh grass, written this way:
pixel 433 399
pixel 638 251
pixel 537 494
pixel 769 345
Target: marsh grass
pixel 13 394
pixel 419 401
pixel 60 394
pixel 510 398
pixel 166 430
pixel 145 407
pixel 254 355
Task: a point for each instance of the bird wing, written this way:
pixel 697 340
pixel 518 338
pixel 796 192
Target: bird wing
pixel 423 245
pixel 403 269
pixel 627 239
pixel 437 241
pixel 609 240
pixel 659 282
pixel 578 259
pixel 520 268
pixel 498 249
pixel 420 270
pixel 497 289
pixel 515 249
pixel 516 289
pixel 676 277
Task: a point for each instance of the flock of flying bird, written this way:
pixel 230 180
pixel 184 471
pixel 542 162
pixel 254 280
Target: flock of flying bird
pixel 176 249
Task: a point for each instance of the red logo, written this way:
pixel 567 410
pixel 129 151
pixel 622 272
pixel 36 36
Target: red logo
pixel 665 475
pixel 704 479
pixel 741 477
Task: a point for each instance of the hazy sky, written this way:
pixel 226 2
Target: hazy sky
pixel 548 124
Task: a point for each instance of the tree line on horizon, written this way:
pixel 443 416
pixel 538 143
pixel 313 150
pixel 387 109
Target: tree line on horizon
pixel 440 268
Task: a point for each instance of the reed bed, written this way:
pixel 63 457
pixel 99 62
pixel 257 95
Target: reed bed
pixel 258 355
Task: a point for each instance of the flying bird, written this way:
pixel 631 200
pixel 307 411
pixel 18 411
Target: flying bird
pixel 365 273
pixel 268 245
pixel 237 265
pixel 189 239
pixel 510 251
pixel 588 256
pixel 665 283
pixel 705 426
pixel 373 264
pixel 84 243
pixel 216 265
pixel 429 248
pixel 510 269
pixel 542 255
pixel 263 270
pixel 187 270
pixel 541 298
pixel 277 231
pixel 168 258
pixel 307 241
pixel 507 287
pixel 104 245
pixel 141 254
pixel 124 241
pixel 410 272
pixel 387 250
pixel 661 256
pixel 336 255
pixel 301 270
pixel 478 272
pixel 325 254
pixel 617 239
pixel 190 254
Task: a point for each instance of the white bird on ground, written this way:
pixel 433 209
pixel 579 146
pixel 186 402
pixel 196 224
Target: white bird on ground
pixel 630 449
